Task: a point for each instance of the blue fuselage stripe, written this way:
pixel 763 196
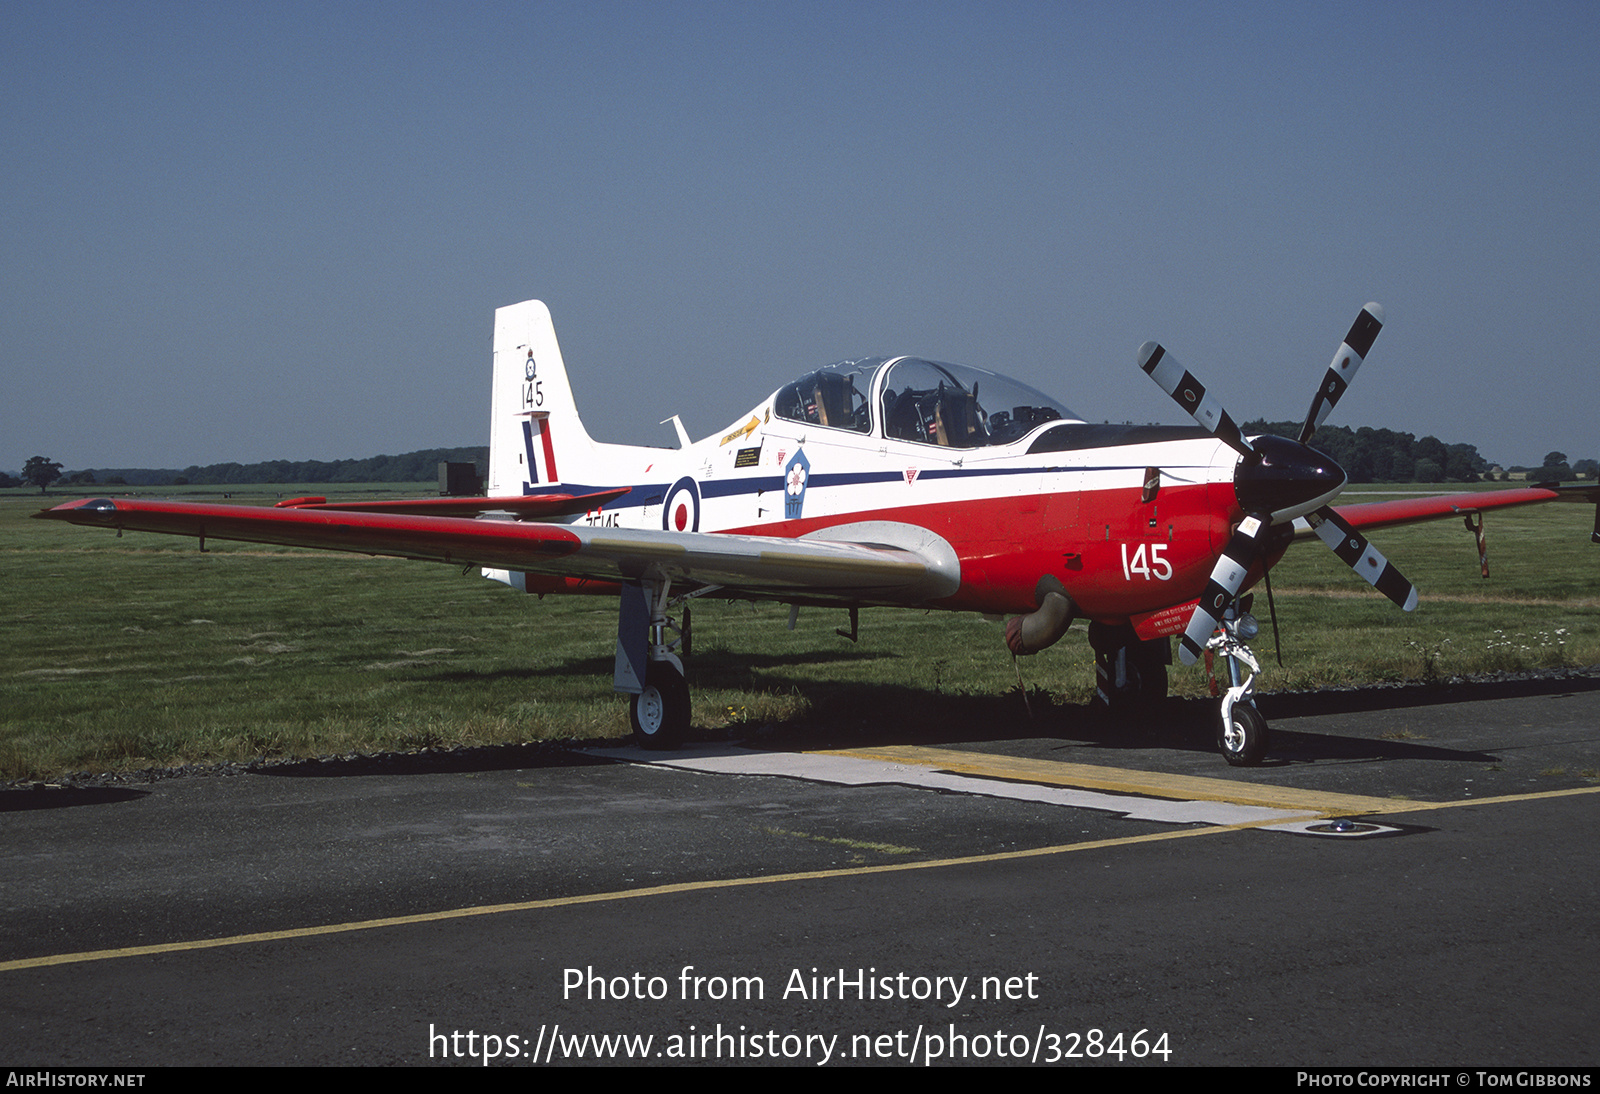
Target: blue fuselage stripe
pixel 653 493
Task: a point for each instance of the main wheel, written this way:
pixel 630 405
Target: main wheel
pixel 1152 686
pixel 1130 675
pixel 1243 739
pixel 660 713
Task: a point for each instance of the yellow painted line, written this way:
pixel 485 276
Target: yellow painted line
pixel 603 898
pixel 1183 787
pixel 1415 807
pixel 965 762
pixel 1389 805
pixel 1123 780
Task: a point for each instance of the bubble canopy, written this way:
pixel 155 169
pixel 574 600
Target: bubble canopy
pixel 926 402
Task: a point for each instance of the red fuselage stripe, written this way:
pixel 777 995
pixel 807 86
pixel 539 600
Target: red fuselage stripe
pixel 1115 554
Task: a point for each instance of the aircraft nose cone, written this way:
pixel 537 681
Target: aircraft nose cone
pixel 1288 479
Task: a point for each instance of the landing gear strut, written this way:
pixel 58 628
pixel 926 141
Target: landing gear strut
pixel 1128 673
pixel 648 665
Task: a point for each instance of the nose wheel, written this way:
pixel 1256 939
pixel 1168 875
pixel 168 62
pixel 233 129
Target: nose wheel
pixel 1242 731
pixel 1242 736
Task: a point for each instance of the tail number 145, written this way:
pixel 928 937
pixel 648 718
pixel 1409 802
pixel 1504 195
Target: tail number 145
pixel 1146 562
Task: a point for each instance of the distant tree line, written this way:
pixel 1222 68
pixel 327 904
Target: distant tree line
pixel 1383 455
pixel 419 466
pixel 1555 466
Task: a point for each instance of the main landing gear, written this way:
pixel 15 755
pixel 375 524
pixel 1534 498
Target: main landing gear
pixel 1129 674
pixel 660 712
pixel 648 665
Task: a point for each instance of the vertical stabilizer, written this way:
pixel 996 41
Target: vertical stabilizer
pixel 535 435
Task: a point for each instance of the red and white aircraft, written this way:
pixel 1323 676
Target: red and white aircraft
pixel 881 481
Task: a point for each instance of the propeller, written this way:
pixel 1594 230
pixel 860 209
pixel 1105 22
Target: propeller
pixel 1276 480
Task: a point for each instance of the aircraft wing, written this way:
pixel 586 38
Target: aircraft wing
pixel 1416 509
pixel 860 562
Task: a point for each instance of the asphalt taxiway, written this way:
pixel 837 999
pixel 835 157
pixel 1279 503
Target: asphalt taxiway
pixel 1411 879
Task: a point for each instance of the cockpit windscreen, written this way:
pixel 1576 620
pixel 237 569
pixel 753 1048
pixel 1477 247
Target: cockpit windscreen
pixel 835 396
pixel 954 406
pixel 957 406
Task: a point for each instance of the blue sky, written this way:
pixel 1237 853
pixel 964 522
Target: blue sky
pixel 279 231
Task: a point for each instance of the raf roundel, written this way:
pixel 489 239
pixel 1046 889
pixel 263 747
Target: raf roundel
pixel 681 513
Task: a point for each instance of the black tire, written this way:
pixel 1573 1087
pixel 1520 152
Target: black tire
pixel 660 713
pixel 1152 683
pixel 1144 668
pixel 1246 743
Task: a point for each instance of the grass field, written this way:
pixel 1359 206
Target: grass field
pixel 122 654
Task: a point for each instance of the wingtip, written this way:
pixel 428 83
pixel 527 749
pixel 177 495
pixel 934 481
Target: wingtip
pixel 66 508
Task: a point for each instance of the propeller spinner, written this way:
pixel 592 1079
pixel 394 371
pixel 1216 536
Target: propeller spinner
pixel 1277 480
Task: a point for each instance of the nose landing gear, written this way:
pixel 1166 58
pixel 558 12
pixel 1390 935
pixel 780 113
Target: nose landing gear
pixel 1242 733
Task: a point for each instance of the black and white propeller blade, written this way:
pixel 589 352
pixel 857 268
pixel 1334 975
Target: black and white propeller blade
pixel 1278 480
pixel 1362 557
pixel 1226 577
pixel 1190 394
pixel 1352 351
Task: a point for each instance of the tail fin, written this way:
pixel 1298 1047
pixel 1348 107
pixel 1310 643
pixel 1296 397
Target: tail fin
pixel 535 435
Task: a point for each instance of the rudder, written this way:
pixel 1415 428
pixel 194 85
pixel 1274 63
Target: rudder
pixel 535 433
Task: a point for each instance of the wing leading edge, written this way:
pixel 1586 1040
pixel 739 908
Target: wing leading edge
pixel 1385 514
pixel 875 564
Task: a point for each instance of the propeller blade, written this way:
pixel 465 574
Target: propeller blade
pixel 1226 578
pixel 1366 560
pixel 1190 394
pixel 1352 351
